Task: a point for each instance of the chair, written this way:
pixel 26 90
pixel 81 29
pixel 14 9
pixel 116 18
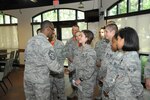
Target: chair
pixel 4 74
pixel 11 60
pixel 16 62
pixel 3 57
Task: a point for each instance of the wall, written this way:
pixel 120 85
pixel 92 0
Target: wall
pixel 24 18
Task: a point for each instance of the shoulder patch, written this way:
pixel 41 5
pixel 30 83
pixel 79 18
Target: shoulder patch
pixel 52 55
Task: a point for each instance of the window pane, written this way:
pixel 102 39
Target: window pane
pixel 1 19
pixel 37 19
pixel 35 27
pixel 145 4
pixel 133 5
pixel 112 11
pixel 66 33
pixel 123 7
pixel 50 15
pixel 14 20
pixel 142 29
pixel 82 25
pixel 65 14
pixel 80 15
pixel 7 19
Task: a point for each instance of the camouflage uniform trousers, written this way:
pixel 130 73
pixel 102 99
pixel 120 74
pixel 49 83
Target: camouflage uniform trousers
pixel 86 94
pixel 37 91
pixel 57 88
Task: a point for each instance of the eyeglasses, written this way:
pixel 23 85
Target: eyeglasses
pixel 52 28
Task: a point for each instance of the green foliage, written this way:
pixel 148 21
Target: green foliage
pixel 144 60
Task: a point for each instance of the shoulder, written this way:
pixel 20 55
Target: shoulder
pixel 132 54
pixel 91 51
pixel 60 42
pixel 131 57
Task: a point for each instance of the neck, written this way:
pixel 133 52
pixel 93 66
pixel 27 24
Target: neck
pixel 52 43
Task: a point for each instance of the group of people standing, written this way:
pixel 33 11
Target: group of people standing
pixel 114 64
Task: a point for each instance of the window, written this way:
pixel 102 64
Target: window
pixel 58 16
pixel 37 19
pixel 133 5
pixel 14 20
pixel 50 15
pixel 80 15
pixel 145 4
pixel 8 32
pixel 7 19
pixel 128 6
pixel 112 11
pixel 122 7
pixel 65 14
pixel 1 19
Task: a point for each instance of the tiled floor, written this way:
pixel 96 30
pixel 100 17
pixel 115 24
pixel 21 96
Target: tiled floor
pixel 16 92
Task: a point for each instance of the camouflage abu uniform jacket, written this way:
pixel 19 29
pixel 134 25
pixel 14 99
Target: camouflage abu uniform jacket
pixel 127 81
pixel 147 69
pixel 40 58
pixel 84 63
pixel 100 49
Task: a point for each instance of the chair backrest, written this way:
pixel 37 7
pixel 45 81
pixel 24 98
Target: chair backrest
pixel 4 70
pixel 16 55
pixel 7 67
pixel 11 59
pixel 3 57
pixel 12 53
pixel 16 59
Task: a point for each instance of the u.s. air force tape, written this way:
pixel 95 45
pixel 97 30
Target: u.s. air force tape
pixel 52 55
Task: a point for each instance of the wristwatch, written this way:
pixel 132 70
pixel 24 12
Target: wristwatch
pixel 81 79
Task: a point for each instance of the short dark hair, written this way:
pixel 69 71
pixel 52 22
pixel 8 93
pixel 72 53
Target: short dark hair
pixel 103 27
pixel 39 29
pixel 131 39
pixel 116 36
pixel 112 27
pixel 75 25
pixel 46 24
pixel 89 34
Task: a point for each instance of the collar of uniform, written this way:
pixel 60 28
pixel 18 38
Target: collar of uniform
pixel 86 46
pixel 43 35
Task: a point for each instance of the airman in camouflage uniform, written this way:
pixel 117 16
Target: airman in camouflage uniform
pixel 40 58
pixel 100 49
pixel 111 30
pixel 147 74
pixel 57 80
pixel 84 63
pixel 124 80
pixel 100 52
pixel 68 52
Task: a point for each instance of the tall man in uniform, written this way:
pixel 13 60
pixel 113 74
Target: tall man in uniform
pixel 70 47
pixel 57 79
pixel 40 58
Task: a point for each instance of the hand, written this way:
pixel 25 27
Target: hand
pixel 77 82
pixel 70 59
pixel 66 71
pixel 98 63
pixel 105 94
pixel 147 83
